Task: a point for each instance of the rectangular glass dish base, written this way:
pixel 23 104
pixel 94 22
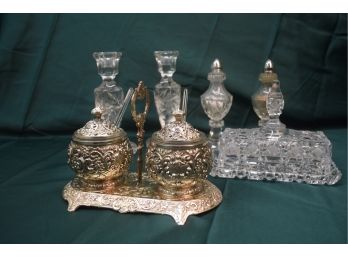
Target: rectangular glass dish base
pixel 299 156
pixel 132 197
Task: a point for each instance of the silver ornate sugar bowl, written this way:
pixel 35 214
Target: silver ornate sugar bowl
pixel 178 159
pixel 100 154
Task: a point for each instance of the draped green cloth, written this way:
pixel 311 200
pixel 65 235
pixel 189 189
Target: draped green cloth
pixel 47 77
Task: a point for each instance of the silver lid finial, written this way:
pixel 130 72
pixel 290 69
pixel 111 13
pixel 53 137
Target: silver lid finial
pixel 269 66
pixel 96 112
pixel 216 65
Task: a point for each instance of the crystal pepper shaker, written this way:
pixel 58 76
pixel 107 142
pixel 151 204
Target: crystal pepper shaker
pixel 216 102
pixel 167 91
pixel 259 98
pixel 275 105
pixel 108 95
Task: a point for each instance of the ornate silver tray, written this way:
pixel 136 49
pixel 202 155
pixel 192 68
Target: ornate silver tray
pixel 132 197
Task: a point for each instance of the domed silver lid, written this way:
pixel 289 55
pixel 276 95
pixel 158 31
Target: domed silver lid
pixel 179 133
pixel 98 131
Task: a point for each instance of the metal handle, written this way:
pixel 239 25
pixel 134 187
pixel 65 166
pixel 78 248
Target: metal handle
pixel 141 93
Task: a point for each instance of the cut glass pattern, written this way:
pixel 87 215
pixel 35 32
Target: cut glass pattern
pixel 216 103
pixel 259 99
pixel 300 156
pixel 167 92
pixel 109 96
pixel 273 152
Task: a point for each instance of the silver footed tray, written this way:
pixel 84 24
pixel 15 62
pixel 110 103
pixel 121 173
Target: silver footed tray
pixel 132 197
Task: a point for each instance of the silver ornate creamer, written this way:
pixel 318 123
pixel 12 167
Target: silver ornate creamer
pixel 178 159
pixel 100 154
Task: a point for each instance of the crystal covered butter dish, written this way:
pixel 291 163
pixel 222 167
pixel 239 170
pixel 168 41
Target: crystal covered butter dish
pixel 299 156
pixel 274 152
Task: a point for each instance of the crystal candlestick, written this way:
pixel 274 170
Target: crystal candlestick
pixel 167 91
pixel 259 98
pixel 216 102
pixel 108 95
pixel 274 104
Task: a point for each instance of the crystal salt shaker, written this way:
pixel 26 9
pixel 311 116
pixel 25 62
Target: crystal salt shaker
pixel 167 91
pixel 108 95
pixel 274 128
pixel 259 98
pixel 216 102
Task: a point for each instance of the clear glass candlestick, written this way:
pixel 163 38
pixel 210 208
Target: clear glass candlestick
pixel 167 92
pixel 216 102
pixel 108 95
pixel 259 98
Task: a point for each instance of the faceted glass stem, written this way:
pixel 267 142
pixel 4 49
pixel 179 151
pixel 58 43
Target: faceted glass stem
pixel 262 122
pixel 275 104
pixel 215 130
pixel 214 136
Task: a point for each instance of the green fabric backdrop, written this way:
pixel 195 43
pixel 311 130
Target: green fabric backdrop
pixel 47 77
